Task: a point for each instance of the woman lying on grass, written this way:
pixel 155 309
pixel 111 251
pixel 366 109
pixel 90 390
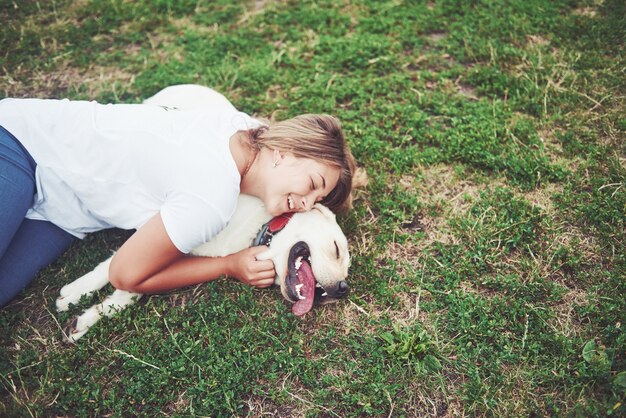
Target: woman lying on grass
pixel 68 168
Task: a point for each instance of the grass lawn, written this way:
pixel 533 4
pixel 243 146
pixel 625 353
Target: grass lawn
pixel 488 250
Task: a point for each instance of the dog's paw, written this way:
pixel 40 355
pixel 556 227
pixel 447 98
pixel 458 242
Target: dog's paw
pixel 63 302
pixel 78 326
pixel 68 289
pixel 71 333
pixel 67 295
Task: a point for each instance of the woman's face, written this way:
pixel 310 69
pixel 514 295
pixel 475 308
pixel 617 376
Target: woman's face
pixel 296 184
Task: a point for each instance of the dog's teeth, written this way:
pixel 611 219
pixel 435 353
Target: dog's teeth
pixel 318 285
pixel 298 263
pixel 325 294
pixel 298 287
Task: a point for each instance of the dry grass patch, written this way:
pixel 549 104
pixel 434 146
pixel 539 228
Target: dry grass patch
pixel 345 316
pixel 542 198
pixel 446 195
pixel 558 76
pixel 259 406
pixel 186 24
pixel 545 263
pixel 585 11
pixel 537 40
pixel 181 405
pixel 441 402
pixel 161 43
pixel 442 187
pixel 466 90
pixel 554 149
pixel 515 388
pixel 257 7
pixel 98 79
pixel 586 244
pixel 52 83
pixel 407 255
pixel 437 37
pixel 161 46
pixel 449 193
pixel 300 401
pixel 476 289
pixel 423 404
pixel 57 83
pixel 566 322
pixel 409 311
pixel 604 108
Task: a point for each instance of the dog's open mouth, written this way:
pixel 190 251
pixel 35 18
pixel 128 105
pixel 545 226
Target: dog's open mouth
pixel 302 287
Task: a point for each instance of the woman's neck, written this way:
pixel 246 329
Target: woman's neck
pixel 242 153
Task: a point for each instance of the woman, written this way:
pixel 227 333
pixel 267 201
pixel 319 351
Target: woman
pixel 68 168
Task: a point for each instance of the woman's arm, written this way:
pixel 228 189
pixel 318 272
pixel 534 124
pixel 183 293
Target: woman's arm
pixel 149 262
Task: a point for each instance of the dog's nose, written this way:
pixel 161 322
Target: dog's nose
pixel 343 289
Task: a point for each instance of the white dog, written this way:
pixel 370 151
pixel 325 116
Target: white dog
pixel 310 254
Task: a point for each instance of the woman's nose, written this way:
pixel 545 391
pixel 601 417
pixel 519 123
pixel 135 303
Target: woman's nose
pixel 308 201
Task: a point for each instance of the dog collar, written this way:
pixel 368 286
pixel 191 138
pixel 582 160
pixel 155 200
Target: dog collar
pixel 270 228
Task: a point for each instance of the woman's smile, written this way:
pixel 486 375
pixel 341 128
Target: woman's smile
pixel 290 205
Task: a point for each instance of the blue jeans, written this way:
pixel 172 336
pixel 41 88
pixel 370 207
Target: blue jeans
pixel 26 245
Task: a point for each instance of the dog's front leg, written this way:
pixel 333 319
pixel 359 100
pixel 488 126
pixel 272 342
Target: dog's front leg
pixel 85 285
pixel 113 303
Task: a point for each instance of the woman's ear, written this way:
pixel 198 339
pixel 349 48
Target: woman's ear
pixel 277 157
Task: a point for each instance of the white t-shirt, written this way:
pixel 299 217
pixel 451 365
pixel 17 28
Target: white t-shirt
pixel 102 166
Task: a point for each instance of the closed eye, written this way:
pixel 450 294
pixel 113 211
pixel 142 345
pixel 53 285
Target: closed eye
pixel 336 249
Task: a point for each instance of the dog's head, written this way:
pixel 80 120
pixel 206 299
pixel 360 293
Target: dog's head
pixel 311 259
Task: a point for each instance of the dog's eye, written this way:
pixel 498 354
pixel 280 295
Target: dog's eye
pixel 336 249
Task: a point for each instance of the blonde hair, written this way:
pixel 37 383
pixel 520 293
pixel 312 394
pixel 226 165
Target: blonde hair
pixel 318 137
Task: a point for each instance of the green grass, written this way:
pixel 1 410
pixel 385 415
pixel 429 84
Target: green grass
pixel 488 263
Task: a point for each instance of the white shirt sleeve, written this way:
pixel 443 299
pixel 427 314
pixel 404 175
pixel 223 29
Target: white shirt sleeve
pixel 191 221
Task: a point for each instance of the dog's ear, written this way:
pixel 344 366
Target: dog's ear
pixel 359 179
pixel 324 210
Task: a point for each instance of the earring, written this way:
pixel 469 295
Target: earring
pixel 277 158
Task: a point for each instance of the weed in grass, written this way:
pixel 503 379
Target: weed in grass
pixel 413 348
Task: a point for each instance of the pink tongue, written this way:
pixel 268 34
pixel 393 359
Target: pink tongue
pixel 305 277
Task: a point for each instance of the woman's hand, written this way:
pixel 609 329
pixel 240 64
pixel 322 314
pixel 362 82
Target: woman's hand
pixel 244 266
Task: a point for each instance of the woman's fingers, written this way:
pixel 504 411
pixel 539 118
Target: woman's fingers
pixel 266 266
pixel 265 277
pixel 262 284
pixel 248 269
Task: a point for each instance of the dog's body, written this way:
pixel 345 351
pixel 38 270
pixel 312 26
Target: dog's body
pixel 310 254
